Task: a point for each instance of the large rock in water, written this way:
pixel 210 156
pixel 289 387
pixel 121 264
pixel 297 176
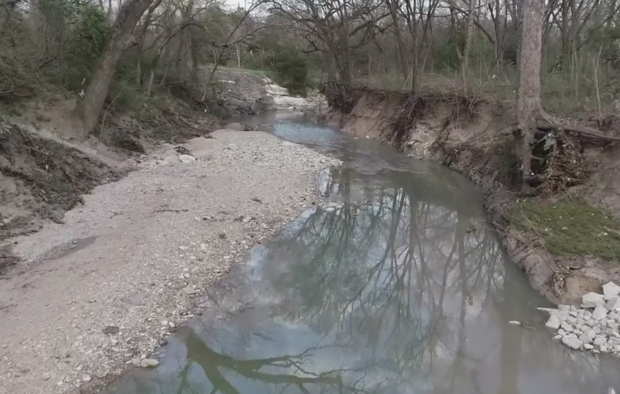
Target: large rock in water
pixel 592 300
pixel 610 290
pixel 553 322
pixel 572 342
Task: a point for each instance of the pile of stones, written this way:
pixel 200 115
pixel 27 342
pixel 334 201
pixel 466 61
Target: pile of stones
pixel 594 326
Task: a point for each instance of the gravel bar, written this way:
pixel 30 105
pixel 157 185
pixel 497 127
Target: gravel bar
pixel 100 292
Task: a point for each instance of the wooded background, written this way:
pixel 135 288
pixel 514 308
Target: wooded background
pixel 126 50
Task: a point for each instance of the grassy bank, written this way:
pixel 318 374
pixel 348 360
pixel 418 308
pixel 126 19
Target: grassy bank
pixel 570 226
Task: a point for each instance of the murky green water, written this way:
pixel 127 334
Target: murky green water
pixel 394 286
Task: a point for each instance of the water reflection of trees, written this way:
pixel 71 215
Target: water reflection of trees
pixel 389 275
pixel 282 372
pixel 389 288
pixel 206 370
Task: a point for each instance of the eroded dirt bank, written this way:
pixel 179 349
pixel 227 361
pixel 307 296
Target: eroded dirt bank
pixel 101 290
pixel 41 177
pixel 474 137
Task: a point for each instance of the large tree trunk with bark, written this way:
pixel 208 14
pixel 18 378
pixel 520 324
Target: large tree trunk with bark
pixel 121 38
pixel 528 93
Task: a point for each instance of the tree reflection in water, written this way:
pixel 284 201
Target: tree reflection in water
pixel 403 292
pixel 390 277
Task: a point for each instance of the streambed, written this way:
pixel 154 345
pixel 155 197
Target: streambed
pixel 393 285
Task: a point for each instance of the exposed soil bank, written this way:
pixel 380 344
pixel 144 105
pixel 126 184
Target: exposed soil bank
pixel 474 137
pixel 106 286
pixel 40 179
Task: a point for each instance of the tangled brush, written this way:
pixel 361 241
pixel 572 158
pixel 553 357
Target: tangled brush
pixel 563 163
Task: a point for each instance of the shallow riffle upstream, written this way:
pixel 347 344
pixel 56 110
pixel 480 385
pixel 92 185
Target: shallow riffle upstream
pixel 393 284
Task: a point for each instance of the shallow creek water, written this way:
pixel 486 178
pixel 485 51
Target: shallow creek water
pixel 395 285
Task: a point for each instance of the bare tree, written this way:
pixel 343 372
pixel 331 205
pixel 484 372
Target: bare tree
pixel 336 28
pixel 468 38
pixel 141 37
pixel 528 94
pixel 121 38
pixel 393 7
pixel 230 41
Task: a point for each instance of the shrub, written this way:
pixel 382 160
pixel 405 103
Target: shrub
pixel 85 45
pixel 291 69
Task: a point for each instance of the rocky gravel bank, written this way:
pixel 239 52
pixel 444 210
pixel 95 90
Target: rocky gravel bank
pixel 101 291
pixel 594 327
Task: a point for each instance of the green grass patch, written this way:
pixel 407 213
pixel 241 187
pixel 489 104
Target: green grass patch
pixel 569 227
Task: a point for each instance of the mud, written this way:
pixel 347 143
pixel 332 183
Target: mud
pixel 473 137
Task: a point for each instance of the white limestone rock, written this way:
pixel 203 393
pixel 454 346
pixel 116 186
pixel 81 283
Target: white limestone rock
pixel 585 338
pixel 553 322
pixel 610 290
pixel 186 159
pixel 600 341
pixel 572 342
pixel 599 313
pixel 567 327
pixel 613 304
pixel 149 363
pixel 592 300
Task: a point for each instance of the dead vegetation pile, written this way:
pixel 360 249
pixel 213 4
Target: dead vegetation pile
pixel 558 163
pixel 558 153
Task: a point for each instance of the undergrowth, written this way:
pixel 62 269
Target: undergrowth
pixel 569 227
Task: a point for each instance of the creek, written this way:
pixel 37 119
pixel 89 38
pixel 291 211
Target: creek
pixel 394 285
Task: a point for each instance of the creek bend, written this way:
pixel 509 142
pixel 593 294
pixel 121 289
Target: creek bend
pixel 394 285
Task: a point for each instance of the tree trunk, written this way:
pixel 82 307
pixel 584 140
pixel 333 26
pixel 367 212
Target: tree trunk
pixel 393 8
pixel 139 72
pixel 414 67
pixel 528 92
pixel 218 59
pixel 468 38
pixel 238 51
pixel 331 67
pixel 140 39
pixel 154 62
pixel 120 39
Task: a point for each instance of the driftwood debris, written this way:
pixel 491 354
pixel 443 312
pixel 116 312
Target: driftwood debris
pixel 557 161
pixel 583 132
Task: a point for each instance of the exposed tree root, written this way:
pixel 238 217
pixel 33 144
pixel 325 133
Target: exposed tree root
pixel 414 107
pixel 341 97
